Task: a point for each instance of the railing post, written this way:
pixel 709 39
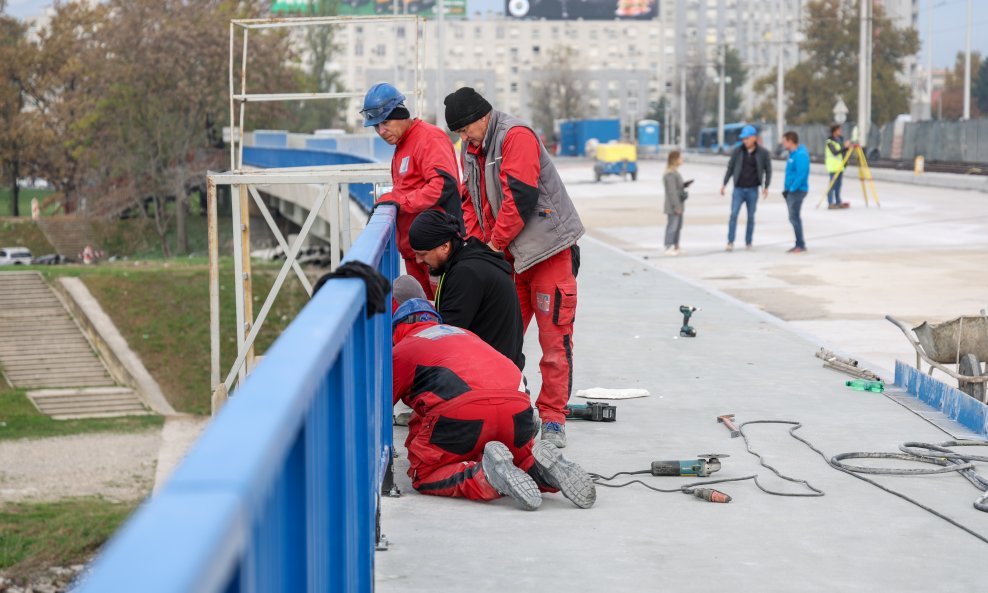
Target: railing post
pixel 333 205
pixel 345 238
pixel 214 284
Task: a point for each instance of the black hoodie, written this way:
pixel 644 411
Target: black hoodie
pixel 477 292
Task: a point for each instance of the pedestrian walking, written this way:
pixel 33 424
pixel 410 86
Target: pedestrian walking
pixel 750 167
pixel 834 152
pixel 676 194
pixel 424 172
pixel 516 202
pixel 796 185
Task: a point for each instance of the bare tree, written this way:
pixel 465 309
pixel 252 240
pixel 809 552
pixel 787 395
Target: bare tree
pixel 556 94
pixel 698 93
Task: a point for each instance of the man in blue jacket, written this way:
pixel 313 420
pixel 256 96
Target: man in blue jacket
pixel 797 184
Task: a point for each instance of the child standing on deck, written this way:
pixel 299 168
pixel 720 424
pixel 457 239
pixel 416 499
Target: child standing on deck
pixel 676 195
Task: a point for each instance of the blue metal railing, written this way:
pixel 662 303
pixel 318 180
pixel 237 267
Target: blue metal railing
pixel 282 490
pixel 270 157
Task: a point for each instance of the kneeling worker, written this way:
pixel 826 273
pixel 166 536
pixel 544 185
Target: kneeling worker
pixel 472 431
pixel 476 289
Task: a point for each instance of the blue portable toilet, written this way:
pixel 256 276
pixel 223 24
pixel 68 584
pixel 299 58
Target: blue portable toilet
pixel 648 137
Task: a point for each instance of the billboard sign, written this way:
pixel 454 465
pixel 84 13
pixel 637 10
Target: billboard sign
pixel 582 9
pixel 455 9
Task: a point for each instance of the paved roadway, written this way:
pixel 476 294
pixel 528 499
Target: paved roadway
pixel 923 255
pixel 861 264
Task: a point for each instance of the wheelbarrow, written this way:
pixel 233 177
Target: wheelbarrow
pixel 962 342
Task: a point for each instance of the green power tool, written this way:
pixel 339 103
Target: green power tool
pixel 592 411
pixel 702 466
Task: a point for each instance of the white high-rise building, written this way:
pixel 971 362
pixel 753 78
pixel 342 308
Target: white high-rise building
pixel 618 65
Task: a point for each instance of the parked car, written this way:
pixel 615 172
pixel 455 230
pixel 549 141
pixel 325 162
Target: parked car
pixel 50 259
pixel 15 256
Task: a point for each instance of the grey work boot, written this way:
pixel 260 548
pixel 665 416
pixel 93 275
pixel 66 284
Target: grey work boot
pixel 555 433
pixel 499 468
pixel 559 472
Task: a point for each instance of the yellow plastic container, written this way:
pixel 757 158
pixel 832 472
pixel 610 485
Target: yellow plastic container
pixel 617 152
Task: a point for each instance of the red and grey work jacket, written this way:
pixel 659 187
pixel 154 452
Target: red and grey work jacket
pixel 425 176
pixel 440 365
pixel 514 196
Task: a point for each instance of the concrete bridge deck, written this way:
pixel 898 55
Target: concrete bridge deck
pixel 856 538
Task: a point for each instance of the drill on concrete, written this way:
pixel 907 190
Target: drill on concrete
pixel 687 331
pixel 708 494
pixel 702 466
pixel 592 411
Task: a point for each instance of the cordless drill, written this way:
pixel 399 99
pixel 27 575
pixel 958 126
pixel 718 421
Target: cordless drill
pixel 592 411
pixel 687 331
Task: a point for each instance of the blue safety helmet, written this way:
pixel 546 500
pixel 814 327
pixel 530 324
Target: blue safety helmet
pixel 748 131
pixel 379 102
pixel 415 310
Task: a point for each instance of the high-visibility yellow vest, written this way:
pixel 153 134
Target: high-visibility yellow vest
pixel 834 162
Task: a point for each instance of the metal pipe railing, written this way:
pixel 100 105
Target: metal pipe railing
pixel 282 490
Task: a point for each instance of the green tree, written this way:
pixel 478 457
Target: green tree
pixel 14 134
pixel 980 86
pixel 166 86
pixel 318 48
pixel 952 96
pixel 657 110
pixel 830 66
pixel 736 75
pixel 62 88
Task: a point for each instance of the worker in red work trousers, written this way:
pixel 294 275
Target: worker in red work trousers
pixel 471 431
pixel 424 172
pixel 515 202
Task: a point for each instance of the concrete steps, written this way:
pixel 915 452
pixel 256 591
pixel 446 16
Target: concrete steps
pixel 40 344
pixel 106 402
pixel 69 235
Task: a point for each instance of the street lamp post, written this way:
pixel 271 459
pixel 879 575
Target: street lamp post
pixel 720 99
pixel 967 65
pixel 864 73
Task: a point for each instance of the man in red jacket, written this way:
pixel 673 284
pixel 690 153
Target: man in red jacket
pixel 471 433
pixel 424 172
pixel 516 202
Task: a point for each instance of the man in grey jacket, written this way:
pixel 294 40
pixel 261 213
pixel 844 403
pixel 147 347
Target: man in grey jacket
pixel 750 167
pixel 516 202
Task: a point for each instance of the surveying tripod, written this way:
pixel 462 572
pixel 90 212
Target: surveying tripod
pixel 864 174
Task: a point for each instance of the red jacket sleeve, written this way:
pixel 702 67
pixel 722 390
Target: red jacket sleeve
pixel 402 373
pixel 471 219
pixel 440 181
pixel 520 170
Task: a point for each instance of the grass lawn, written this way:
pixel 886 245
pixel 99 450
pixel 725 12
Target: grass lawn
pixel 19 419
pixel 24 201
pixel 34 536
pixel 16 232
pixel 161 307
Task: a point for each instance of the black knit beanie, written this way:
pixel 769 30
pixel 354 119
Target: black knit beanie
pixel 431 229
pixel 464 107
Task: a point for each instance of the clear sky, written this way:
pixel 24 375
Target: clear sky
pixel 950 27
pixel 949 22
